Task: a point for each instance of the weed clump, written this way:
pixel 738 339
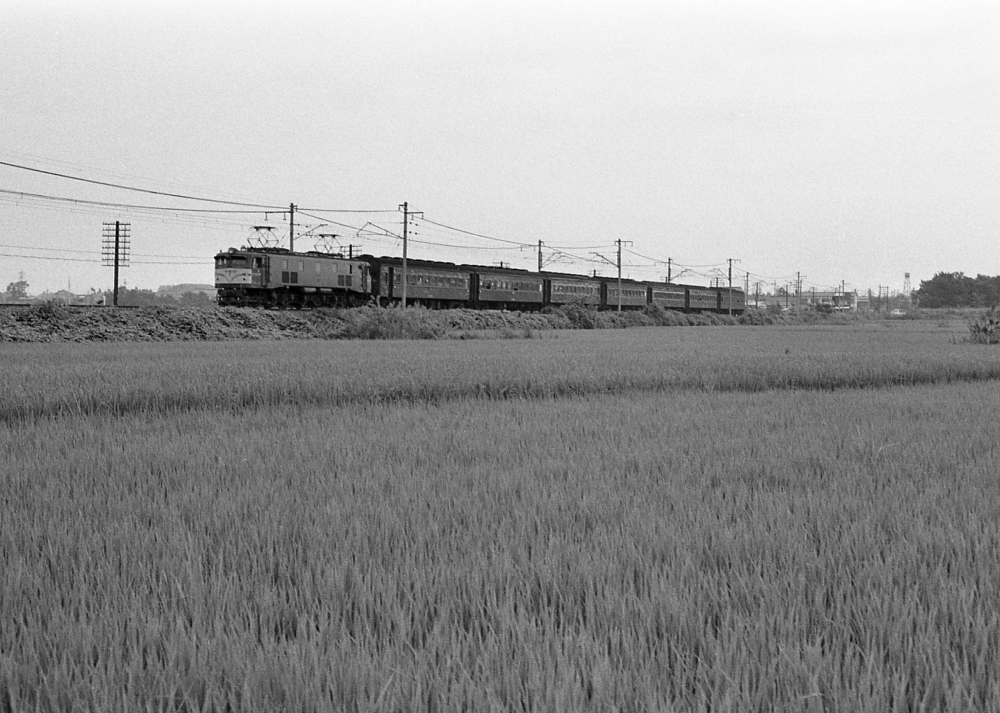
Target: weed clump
pixel 985 329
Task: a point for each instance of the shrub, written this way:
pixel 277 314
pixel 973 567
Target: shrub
pixel 986 328
pixel 579 316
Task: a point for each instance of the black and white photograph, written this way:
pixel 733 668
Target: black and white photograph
pixel 369 355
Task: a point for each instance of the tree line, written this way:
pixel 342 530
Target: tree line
pixel 956 289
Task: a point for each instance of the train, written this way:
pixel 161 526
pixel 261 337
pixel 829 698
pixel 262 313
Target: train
pixel 279 278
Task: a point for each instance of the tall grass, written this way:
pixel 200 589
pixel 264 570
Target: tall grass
pixel 784 550
pixel 39 381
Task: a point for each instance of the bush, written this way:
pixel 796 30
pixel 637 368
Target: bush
pixel 50 310
pixel 579 316
pixel 985 329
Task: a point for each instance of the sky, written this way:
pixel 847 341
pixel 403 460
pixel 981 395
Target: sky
pixel 839 143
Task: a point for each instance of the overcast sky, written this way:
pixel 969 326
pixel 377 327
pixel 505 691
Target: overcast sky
pixel 845 141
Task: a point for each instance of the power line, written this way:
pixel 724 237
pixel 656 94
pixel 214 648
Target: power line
pixel 48 257
pixel 105 204
pixel 201 263
pixel 269 208
pixel 340 210
pixel 477 235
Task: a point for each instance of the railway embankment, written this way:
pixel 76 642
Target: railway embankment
pixel 51 322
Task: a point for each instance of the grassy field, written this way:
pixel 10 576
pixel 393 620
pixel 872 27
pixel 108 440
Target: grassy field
pixel 712 519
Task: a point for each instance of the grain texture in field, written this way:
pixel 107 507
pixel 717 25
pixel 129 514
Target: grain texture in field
pixel 610 546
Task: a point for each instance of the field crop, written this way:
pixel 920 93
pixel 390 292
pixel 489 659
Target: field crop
pixel 526 525
pixel 38 381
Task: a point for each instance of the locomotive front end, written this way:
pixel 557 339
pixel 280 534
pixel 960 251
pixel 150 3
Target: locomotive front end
pixel 232 276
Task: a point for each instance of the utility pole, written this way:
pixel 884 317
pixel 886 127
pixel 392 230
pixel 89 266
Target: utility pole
pixel 539 255
pixel 669 265
pixel 115 249
pixel 406 220
pixel 731 285
pixel 619 243
pixel 618 264
pixel 291 227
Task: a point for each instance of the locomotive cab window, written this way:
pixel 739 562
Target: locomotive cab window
pixel 231 261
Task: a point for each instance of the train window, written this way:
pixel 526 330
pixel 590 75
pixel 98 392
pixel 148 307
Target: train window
pixel 319 267
pixel 302 265
pixel 284 264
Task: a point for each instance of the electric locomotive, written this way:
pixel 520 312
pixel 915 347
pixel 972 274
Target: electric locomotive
pixel 274 277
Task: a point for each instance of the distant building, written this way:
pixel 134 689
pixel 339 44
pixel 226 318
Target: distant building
pixel 176 291
pixel 65 297
pixel 837 300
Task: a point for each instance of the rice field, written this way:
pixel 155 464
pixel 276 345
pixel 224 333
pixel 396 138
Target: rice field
pixel 648 520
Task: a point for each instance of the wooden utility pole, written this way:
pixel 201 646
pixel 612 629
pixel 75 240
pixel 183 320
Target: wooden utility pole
pixel 118 231
pixel 619 244
pixel 406 223
pixel 539 255
pixel 731 285
pixel 406 220
pixel 115 249
pixel 291 227
pixel 669 266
